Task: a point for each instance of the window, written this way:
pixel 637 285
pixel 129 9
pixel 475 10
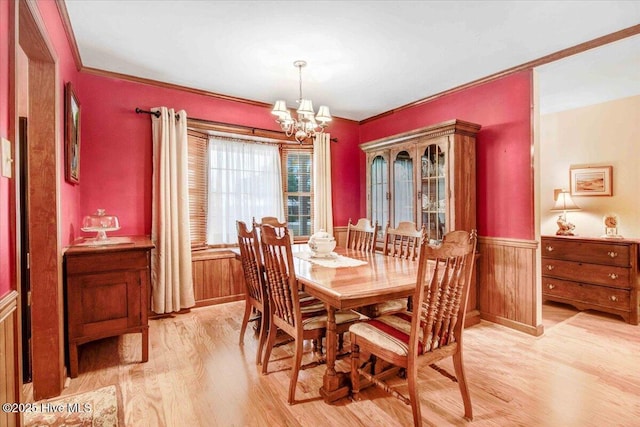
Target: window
pixel 232 179
pixel 297 167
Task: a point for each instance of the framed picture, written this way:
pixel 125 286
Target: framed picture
pixel 71 135
pixel 591 181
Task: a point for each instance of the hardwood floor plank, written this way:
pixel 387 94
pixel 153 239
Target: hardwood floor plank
pixel 582 372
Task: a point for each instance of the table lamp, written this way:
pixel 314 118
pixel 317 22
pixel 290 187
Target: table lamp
pixel 563 204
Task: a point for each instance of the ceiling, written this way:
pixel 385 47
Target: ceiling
pixel 364 57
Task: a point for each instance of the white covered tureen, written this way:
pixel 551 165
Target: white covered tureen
pixel 322 243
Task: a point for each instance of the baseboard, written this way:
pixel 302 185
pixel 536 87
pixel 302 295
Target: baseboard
pixel 531 330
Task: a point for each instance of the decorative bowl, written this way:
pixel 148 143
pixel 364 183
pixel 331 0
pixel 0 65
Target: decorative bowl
pixel 321 243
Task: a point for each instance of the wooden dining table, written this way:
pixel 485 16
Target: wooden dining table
pixel 382 278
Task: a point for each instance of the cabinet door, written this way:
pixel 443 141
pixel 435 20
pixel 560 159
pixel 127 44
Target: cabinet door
pixel 101 304
pixel 379 189
pixel 403 196
pixel 434 177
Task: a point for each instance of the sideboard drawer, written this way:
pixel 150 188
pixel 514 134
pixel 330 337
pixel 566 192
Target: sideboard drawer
pixel 88 263
pixel 589 294
pixel 590 252
pixel 617 277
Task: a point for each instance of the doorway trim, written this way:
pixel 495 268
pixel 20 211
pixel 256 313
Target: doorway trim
pixel 43 196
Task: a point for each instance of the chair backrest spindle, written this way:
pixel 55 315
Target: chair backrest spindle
pixel 362 235
pixel 444 275
pixel 280 276
pixel 404 241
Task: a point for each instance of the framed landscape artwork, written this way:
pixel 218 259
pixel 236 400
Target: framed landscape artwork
pixel 71 135
pixel 591 181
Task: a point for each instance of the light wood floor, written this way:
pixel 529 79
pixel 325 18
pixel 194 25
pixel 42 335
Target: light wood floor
pixel 584 371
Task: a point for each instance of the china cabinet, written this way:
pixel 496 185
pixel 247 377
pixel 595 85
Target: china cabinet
pixel 427 176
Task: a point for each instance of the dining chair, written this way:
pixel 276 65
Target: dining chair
pixel 432 332
pixel 272 221
pixel 362 235
pixel 308 303
pixel 402 242
pixel 256 291
pixel 284 303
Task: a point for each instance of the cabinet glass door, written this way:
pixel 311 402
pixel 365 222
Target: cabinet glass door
pixel 403 206
pixel 380 191
pixel 434 196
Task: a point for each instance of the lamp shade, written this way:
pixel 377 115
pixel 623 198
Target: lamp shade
pixel 323 114
pixel 564 202
pixel 280 109
pixel 305 110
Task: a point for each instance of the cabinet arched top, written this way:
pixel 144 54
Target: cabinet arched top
pixel 422 135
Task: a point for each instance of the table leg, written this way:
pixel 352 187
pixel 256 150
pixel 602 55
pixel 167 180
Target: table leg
pixel 335 384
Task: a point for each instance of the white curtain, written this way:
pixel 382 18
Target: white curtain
pixel 171 278
pixel 403 191
pixel 322 202
pixel 245 182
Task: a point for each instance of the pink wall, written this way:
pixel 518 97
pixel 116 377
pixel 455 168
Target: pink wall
pixel 504 165
pixel 70 195
pixel 5 247
pixel 115 161
pixel 115 157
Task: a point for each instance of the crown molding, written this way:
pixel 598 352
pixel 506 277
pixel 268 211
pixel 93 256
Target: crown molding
pixel 582 47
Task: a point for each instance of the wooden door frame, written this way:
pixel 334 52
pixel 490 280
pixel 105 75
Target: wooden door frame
pixel 29 33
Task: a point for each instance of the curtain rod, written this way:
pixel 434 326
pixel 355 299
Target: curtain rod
pixel 247 128
pixel 153 113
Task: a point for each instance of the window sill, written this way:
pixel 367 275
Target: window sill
pixel 212 253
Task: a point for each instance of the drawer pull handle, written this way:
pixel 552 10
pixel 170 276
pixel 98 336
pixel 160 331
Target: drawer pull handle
pixel 613 298
pixel 549 248
pixel 614 276
pixel 612 254
pixel 550 286
pixel 550 267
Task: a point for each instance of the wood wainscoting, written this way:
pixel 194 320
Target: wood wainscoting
pixel 217 277
pixel 507 292
pixel 340 234
pixel 9 358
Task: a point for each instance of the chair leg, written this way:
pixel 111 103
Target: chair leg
pixel 458 365
pixel 245 321
pixel 262 339
pixel 355 364
pixel 414 396
pixel 297 361
pixel 271 340
pixel 340 342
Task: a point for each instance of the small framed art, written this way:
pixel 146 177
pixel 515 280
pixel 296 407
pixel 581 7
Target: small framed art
pixel 71 135
pixel 591 181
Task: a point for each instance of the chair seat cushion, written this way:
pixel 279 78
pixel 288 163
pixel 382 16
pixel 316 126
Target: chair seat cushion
pixel 342 317
pixel 311 306
pixel 389 307
pixel 390 332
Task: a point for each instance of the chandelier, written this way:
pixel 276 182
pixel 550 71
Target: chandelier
pixel 306 125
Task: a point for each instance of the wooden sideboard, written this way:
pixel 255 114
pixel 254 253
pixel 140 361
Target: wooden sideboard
pixel 106 292
pixel 592 273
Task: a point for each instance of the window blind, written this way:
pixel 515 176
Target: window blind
pixel 197 158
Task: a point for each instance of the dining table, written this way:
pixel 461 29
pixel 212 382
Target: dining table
pixel 349 279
